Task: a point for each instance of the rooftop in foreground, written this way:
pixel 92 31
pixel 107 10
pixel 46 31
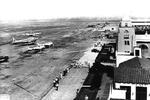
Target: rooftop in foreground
pixel 135 70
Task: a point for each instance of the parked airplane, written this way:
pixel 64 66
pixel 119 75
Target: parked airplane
pixel 28 51
pixel 46 44
pixel 32 34
pixel 30 40
pixel 36 47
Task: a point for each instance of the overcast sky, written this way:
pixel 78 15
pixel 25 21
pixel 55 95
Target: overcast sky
pixel 47 9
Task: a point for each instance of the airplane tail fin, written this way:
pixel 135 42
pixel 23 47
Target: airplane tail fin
pixel 13 39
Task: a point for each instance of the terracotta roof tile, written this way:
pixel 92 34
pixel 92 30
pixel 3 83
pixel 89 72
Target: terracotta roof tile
pixel 136 70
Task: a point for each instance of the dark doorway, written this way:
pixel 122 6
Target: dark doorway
pixel 137 52
pixel 141 93
pixel 128 93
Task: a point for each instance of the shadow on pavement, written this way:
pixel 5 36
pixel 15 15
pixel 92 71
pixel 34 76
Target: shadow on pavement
pixel 93 81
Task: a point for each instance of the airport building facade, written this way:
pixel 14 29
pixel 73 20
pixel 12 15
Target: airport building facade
pixel 133 40
pixel 132 72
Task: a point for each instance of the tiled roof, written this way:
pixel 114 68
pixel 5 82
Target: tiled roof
pixel 135 70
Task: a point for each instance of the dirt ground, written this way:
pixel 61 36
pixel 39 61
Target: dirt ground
pixel 27 78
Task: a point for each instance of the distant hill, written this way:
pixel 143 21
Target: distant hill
pixel 46 21
pixel 50 23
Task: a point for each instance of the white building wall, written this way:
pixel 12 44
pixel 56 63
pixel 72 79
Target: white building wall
pixel 123 32
pixel 125 22
pixel 148 92
pixel 133 92
pixel 133 24
pixel 144 38
pixel 116 94
pixel 122 58
pixel 133 89
pixel 111 28
pixel 5 97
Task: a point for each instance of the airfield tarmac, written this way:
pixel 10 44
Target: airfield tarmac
pixel 27 78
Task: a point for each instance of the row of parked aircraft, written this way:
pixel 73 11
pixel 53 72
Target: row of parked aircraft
pixel 31 40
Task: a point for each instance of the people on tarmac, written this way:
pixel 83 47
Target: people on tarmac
pixel 86 97
pixel 63 73
pixel 54 83
pixel 57 86
pixel 60 75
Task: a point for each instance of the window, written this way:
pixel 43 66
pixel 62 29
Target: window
pixel 127 51
pixel 126 36
pixel 126 24
pixel 126 43
pixel 128 91
pixel 126 31
pixel 137 52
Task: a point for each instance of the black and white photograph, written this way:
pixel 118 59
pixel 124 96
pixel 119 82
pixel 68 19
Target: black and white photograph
pixel 74 50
